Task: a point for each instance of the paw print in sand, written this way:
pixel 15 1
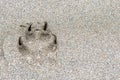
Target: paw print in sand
pixel 37 43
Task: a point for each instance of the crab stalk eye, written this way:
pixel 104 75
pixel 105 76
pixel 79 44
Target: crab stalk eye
pixel 29 29
pixel 29 33
pixel 45 26
pixel 20 42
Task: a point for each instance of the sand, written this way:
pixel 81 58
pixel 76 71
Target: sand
pixel 88 33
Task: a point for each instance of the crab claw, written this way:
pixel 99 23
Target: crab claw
pixel 53 45
pixel 55 39
pixel 21 47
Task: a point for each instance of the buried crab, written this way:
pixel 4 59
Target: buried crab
pixel 37 42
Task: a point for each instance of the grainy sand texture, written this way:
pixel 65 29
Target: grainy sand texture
pixel 88 40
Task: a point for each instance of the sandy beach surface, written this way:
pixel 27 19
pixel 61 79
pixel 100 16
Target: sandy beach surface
pixel 88 40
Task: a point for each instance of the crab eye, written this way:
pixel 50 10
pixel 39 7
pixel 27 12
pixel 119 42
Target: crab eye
pixel 20 42
pixel 45 26
pixel 29 29
pixel 29 33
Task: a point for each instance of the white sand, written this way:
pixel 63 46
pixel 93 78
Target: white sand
pixel 88 34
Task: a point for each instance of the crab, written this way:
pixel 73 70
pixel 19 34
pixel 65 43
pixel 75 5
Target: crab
pixel 36 43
